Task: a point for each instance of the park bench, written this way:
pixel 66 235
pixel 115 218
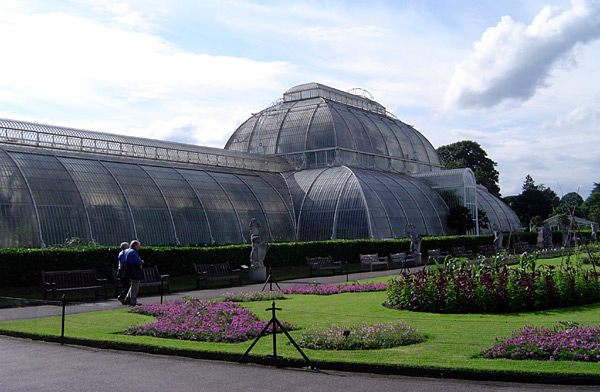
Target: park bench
pixel 460 251
pixel 72 281
pixel 401 260
pixel 322 264
pixel 218 271
pixel 151 278
pixel 372 260
pixel 486 250
pixel 436 254
pixel 521 247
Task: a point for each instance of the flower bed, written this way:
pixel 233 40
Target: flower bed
pixel 568 343
pixel 315 289
pixel 328 289
pixel 360 337
pixel 194 319
pixel 492 290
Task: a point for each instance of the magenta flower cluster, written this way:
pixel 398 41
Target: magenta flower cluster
pixel 193 319
pixel 329 289
pixel 316 289
pixel 360 337
pixel 576 343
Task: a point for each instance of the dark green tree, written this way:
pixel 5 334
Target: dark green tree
pixel 534 200
pixel 571 203
pixel 484 221
pixel 591 206
pixel 460 219
pixel 468 153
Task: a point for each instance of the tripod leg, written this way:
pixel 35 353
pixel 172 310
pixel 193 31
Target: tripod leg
pixel 256 340
pixel 293 342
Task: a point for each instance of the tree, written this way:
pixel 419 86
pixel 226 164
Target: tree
pixel 591 206
pixel 468 153
pixel 460 219
pixel 534 200
pixel 571 203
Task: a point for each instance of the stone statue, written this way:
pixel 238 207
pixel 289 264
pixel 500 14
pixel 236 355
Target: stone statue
pixel 498 237
pixel 257 271
pixel 415 243
pixel 547 234
pixel 259 246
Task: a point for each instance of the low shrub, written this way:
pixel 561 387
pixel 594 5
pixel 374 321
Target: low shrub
pixel 360 337
pixel 193 319
pixel 566 342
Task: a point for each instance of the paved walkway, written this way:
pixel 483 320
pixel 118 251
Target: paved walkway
pixel 30 312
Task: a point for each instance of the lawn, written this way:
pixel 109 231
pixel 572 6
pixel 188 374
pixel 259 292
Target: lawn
pixel 453 342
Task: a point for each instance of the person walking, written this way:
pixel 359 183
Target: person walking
pixel 133 266
pixel 121 273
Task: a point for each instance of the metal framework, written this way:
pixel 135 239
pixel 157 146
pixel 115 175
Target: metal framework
pixel 317 164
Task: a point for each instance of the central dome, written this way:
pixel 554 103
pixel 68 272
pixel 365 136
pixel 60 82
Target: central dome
pixel 315 125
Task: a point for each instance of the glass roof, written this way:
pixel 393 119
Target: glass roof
pixel 308 119
pixel 48 136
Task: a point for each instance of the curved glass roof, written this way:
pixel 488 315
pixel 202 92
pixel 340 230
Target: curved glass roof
pixel 61 138
pixel 342 202
pixel 497 212
pixel 46 198
pixel 314 117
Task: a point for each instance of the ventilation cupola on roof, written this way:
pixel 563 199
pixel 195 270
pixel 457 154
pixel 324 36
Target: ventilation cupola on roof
pixel 315 126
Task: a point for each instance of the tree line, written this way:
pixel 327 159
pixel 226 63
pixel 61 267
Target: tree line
pixel 535 202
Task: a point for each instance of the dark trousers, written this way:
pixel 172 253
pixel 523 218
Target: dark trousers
pixel 126 284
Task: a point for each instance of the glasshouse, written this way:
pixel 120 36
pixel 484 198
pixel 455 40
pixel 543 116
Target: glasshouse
pixel 318 164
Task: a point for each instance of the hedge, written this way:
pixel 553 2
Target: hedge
pixel 21 267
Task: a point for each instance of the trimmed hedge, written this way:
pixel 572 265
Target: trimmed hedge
pixel 21 267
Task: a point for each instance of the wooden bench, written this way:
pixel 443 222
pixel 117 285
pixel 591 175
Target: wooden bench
pixel 436 254
pixel 372 260
pixel 151 278
pixel 521 247
pixel 71 281
pixel 460 251
pixel 401 260
pixel 323 263
pixel 219 271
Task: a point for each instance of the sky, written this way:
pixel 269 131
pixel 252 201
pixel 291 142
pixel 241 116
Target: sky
pixel 521 78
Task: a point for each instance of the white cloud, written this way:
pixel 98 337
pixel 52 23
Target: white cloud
pixel 560 153
pixel 70 69
pixel 512 61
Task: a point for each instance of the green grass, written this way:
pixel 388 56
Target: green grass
pixel 454 341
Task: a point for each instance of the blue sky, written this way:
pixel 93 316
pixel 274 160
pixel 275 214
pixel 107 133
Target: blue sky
pixel 520 78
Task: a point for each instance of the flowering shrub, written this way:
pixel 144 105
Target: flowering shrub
pixel 360 337
pixel 568 343
pixel 493 290
pixel 193 319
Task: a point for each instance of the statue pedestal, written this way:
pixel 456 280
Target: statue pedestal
pixel 417 257
pixel 257 274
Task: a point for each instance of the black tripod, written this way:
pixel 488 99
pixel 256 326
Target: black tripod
pixel 275 323
pixel 270 280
